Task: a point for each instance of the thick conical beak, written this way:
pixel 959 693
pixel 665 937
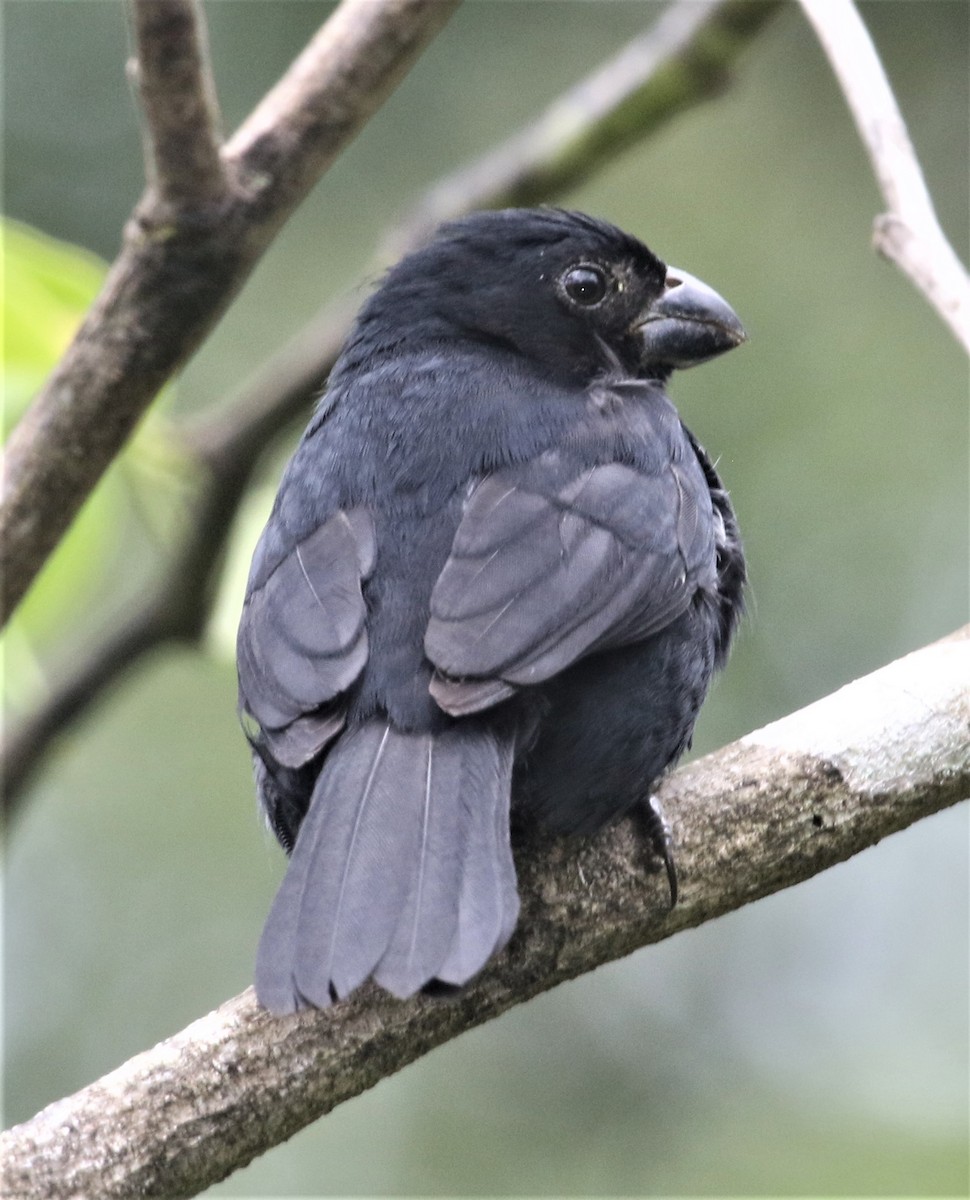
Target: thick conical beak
pixel 688 324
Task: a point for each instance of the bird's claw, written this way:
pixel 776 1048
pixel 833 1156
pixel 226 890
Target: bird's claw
pixel 662 842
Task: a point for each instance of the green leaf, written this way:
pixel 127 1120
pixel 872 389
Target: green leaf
pixel 48 287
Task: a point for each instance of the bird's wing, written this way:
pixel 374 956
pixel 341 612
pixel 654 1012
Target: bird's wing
pixel 552 560
pixel 302 637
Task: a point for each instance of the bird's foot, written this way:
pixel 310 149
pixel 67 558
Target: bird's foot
pixel 661 841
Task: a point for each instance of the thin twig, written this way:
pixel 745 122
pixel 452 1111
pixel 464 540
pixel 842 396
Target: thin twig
pixel 333 87
pixel 762 814
pixel 178 270
pixel 536 164
pixel 909 234
pixel 179 103
pixel 684 58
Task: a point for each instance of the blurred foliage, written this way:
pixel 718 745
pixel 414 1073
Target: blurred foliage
pixel 48 286
pixel 813 1043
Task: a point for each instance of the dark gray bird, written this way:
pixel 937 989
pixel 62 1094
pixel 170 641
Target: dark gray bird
pixel 499 569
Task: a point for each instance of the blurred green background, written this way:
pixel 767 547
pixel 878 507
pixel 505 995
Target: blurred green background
pixel 815 1042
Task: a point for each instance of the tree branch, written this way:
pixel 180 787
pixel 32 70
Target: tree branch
pixel 627 97
pixel 335 85
pixel 909 234
pixel 181 265
pixel 762 814
pixel 179 102
pixel 683 59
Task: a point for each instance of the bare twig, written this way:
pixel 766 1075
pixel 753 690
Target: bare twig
pixel 337 83
pixel 909 234
pixel 762 814
pixel 179 102
pixel 541 160
pixel 684 58
pixel 180 267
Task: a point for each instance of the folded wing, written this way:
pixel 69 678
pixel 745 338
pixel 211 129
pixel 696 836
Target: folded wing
pixel 303 640
pixel 553 560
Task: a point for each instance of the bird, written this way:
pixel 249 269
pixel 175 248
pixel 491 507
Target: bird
pixel 498 576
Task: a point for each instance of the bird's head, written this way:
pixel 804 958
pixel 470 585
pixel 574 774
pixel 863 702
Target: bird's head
pixel 573 294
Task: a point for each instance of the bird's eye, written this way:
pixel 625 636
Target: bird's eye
pixel 585 285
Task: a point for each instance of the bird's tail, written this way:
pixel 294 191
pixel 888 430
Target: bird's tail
pixel 402 869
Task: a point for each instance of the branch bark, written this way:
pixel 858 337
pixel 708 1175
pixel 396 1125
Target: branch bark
pixel 909 234
pixel 188 248
pixel 762 814
pixel 682 61
pixel 178 98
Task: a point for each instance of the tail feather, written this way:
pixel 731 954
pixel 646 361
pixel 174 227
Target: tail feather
pixel 359 879
pixel 488 902
pixel 402 869
pixel 429 917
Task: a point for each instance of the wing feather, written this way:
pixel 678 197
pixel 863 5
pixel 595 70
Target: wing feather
pixel 303 638
pixel 554 559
